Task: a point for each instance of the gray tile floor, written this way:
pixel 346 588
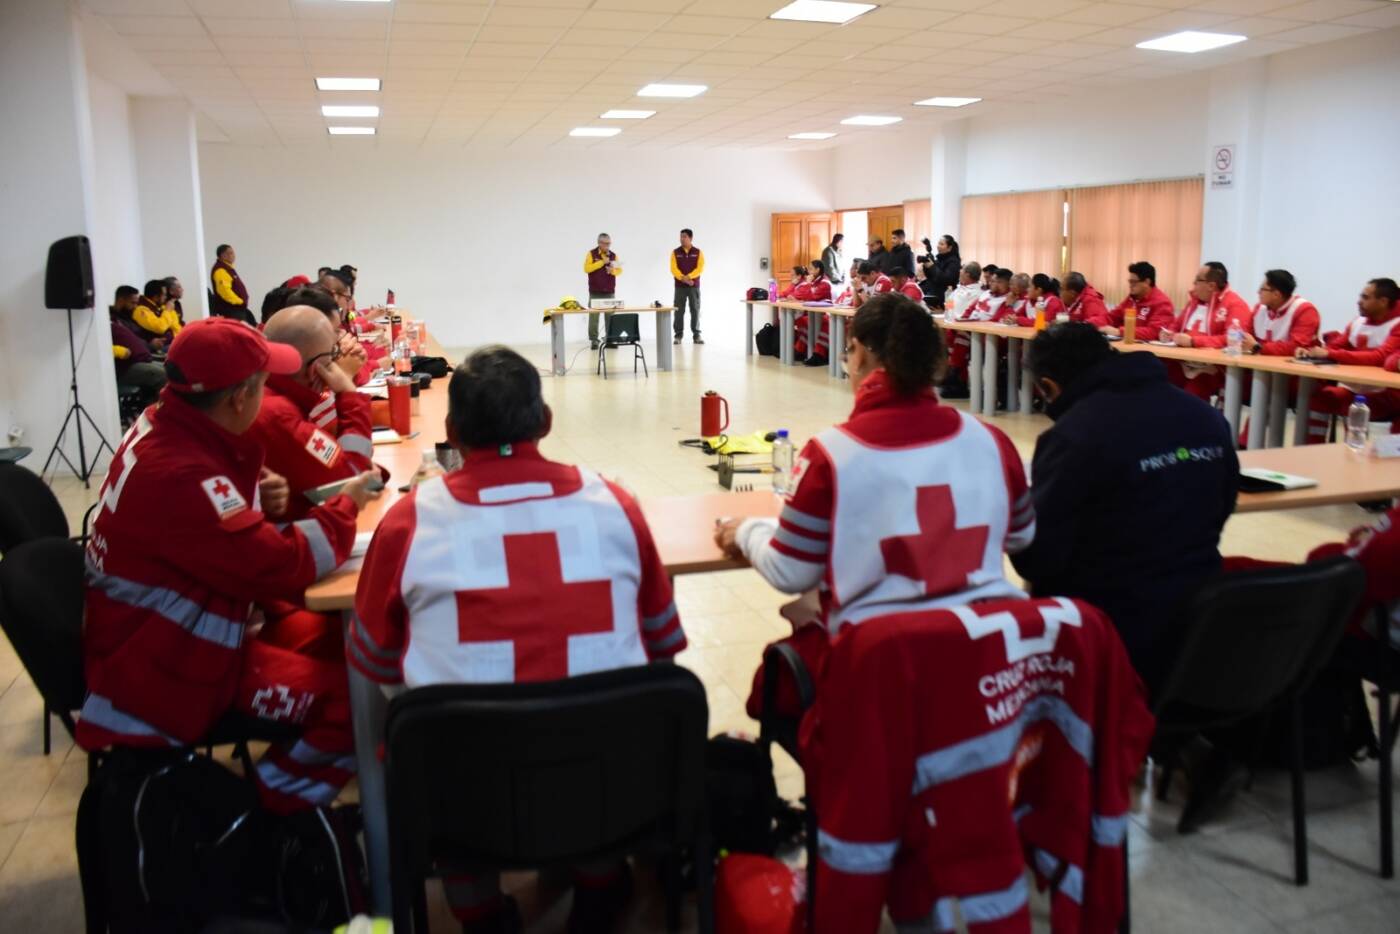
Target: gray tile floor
pixel 1235 876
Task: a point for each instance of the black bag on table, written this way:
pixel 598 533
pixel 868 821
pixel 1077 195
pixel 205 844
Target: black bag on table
pixel 171 841
pixel 756 295
pixel 436 367
pixel 766 341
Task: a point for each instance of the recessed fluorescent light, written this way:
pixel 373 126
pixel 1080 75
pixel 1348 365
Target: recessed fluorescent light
pixel 811 136
pixel 627 114
pixel 1190 41
pixel 351 130
pixel 947 101
pixel 822 11
pixel 870 120
pixel 347 84
pixel 673 90
pixel 364 1
pixel 595 131
pixel 349 110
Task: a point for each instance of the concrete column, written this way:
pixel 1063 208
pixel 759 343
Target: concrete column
pixel 1235 112
pixel 167 177
pixel 949 177
pixel 47 152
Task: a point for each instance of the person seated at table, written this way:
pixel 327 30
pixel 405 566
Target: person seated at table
pixel 123 304
pixel 1043 297
pixel 1205 322
pixel 274 301
pixel 1283 321
pixel 959 306
pixel 154 323
pixel 1369 340
pixel 797 279
pixel 902 283
pixel 930 497
pixel 1082 301
pixel 174 292
pixel 853 283
pixel 167 642
pixel 817 288
pixel 573 585
pixel 353 358
pixel 989 273
pixel 1018 302
pixel 313 425
pixel 1123 519
pixel 870 281
pixel 992 304
pixel 1152 306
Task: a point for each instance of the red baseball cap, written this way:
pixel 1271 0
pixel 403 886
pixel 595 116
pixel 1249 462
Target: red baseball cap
pixel 216 353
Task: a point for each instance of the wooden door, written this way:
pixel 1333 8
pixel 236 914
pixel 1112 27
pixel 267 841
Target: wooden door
pixel 798 239
pixel 880 222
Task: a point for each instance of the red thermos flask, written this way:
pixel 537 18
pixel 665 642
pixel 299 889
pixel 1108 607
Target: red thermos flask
pixel 710 424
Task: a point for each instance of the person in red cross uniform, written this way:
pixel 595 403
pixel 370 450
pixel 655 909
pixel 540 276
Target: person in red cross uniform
pixel 1205 322
pixel 513 568
pixel 930 499
pixel 1152 306
pixel 1368 340
pixel 169 643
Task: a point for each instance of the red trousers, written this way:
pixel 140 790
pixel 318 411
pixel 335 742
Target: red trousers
pixel 1335 400
pixel 823 348
pixel 294 672
pixel 1203 386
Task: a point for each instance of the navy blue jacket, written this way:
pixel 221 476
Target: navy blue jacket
pixel 1132 486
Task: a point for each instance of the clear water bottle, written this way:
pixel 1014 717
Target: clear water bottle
pixel 782 462
pixel 1234 340
pixel 1358 426
pixel 428 469
pixel 402 355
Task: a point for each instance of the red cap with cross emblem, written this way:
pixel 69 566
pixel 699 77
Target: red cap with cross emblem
pixel 216 353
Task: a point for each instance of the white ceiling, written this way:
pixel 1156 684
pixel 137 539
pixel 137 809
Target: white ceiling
pixel 524 72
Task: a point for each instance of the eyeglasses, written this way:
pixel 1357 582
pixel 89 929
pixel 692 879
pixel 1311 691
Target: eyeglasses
pixel 335 354
pixel 1133 280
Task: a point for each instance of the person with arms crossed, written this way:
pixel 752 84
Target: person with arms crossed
pixel 687 263
pixel 602 268
pixel 930 497
pixel 1151 305
pixel 1133 484
pixel 512 568
pixel 1369 340
pixel 154 323
pixel 901 255
pixel 230 295
pixel 168 643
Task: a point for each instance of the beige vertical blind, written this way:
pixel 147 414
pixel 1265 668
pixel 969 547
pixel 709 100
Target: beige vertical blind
pixel 1114 225
pixel 1022 230
pixel 918 222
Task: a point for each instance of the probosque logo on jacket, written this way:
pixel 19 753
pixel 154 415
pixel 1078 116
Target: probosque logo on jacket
pixel 1180 456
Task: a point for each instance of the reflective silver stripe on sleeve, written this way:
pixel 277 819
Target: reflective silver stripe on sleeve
pixel 658 645
pixel 307 754
pixel 801 543
pixel 1071 884
pixel 308 789
pixel 994 906
pixel 857 859
pixel 321 549
pixel 375 649
pixel 994 748
pixel 180 610
pixel 659 621
pixel 804 521
pixel 356 444
pixel 1110 831
pixel 385 671
pixel 98 711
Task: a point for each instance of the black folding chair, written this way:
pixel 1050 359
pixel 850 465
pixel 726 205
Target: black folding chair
pixel 28 508
pixel 1255 641
pixel 489 777
pixel 623 331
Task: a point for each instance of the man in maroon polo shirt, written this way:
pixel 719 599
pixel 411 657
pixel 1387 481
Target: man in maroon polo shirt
pixel 687 263
pixel 603 268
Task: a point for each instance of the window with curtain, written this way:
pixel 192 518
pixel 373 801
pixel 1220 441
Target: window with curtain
pixel 1114 225
pixel 918 222
pixel 1022 230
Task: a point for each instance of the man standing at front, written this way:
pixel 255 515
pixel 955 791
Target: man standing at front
pixel 687 263
pixel 602 268
pixel 230 295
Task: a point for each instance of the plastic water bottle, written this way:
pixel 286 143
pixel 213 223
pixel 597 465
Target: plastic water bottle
pixel 782 462
pixel 1234 340
pixel 772 290
pixel 402 355
pixel 1358 426
pixel 428 469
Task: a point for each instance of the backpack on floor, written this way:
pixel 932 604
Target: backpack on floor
pixel 1336 724
pixel 741 796
pixel 766 341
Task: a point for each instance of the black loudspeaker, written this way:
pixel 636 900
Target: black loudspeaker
pixel 68 277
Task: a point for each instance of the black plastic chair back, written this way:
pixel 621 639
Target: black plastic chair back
pixel 28 508
pixel 624 329
pixel 41 611
pixel 1254 636
pixel 515 776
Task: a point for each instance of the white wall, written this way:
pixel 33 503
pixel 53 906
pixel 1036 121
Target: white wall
pixel 885 167
pixel 167 177
pixel 479 243
pixel 116 235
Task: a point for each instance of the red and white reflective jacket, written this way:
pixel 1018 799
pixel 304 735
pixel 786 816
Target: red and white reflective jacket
pixel 1282 331
pixel 1089 307
pixel 1208 323
pixel 881 285
pixel 1364 342
pixel 949 748
pixel 1377 548
pixel 179 552
pixel 1014 307
pixel 988 307
pixel 1153 313
pixel 312 438
pixel 911 289
pixel 513 568
pixel 819 291
pixel 908 505
pixel 1052 306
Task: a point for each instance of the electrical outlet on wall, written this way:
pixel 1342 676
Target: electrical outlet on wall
pixel 763 262
pixel 16 436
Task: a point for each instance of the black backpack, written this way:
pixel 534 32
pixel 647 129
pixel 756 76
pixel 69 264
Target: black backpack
pixel 741 796
pixel 169 841
pixel 766 341
pixel 1336 724
pixel 436 367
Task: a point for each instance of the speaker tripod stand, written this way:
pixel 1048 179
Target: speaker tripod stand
pixel 76 414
